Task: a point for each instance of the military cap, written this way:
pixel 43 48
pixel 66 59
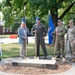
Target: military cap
pixel 23 20
pixel 38 18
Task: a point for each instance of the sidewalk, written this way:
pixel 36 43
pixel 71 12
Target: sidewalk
pixel 30 40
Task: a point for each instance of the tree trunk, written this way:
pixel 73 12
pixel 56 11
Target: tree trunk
pixel 54 18
pixel 54 14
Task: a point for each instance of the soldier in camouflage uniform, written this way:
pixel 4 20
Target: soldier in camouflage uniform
pixel 71 37
pixel 40 31
pixel 59 38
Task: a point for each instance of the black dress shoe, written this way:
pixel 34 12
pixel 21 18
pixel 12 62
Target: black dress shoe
pixel 58 56
pixel 22 57
pixel 45 57
pixel 72 60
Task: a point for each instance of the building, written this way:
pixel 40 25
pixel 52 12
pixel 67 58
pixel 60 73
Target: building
pixel 4 30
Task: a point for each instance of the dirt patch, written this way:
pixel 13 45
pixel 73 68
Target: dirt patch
pixel 8 68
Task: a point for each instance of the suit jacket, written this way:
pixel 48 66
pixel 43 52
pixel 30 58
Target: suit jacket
pixel 21 35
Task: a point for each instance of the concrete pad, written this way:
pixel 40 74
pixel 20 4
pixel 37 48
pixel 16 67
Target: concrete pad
pixel 3 63
pixel 35 63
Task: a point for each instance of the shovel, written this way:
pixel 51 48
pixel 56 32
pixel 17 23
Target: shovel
pixel 54 58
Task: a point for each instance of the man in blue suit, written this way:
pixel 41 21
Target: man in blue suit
pixel 22 33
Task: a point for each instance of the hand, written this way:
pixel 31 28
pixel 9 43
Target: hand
pixel 35 31
pixel 57 33
pixel 73 42
pixel 43 37
pixel 24 38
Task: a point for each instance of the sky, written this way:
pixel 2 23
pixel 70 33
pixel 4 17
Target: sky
pixel 0 0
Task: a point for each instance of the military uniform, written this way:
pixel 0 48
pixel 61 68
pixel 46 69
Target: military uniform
pixel 41 32
pixel 71 38
pixel 59 39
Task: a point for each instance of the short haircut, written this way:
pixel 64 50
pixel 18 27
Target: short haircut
pixel 59 20
pixel 71 21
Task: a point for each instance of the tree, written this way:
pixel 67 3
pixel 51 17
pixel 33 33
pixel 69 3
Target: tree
pixel 30 9
pixel 43 6
pixel 12 12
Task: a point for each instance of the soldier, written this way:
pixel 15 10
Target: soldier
pixel 40 32
pixel 71 38
pixel 59 38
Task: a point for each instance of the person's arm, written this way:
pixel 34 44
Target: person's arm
pixel 19 34
pixel 45 30
pixel 53 33
pixel 63 32
pixel 33 29
pixel 73 31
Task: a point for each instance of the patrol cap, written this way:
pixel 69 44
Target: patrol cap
pixel 23 20
pixel 38 18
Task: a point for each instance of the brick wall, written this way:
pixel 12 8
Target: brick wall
pixel 6 30
pixel 1 29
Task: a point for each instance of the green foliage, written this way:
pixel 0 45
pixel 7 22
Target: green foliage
pixel 0 6
pixel 43 6
pixel 7 15
pixel 69 15
pixel 67 18
pixel 15 10
pixel 17 4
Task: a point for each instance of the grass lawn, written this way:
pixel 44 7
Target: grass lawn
pixel 6 36
pixel 12 50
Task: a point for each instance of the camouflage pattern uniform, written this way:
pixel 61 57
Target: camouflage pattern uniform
pixel 41 32
pixel 71 38
pixel 60 39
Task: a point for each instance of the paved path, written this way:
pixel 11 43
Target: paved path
pixel 30 40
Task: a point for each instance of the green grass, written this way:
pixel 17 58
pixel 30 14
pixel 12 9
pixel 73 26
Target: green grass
pixel 13 50
pixel 4 36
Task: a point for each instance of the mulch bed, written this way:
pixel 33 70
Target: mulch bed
pixel 8 68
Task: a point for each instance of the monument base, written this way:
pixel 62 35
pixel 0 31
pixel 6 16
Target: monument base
pixel 36 63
